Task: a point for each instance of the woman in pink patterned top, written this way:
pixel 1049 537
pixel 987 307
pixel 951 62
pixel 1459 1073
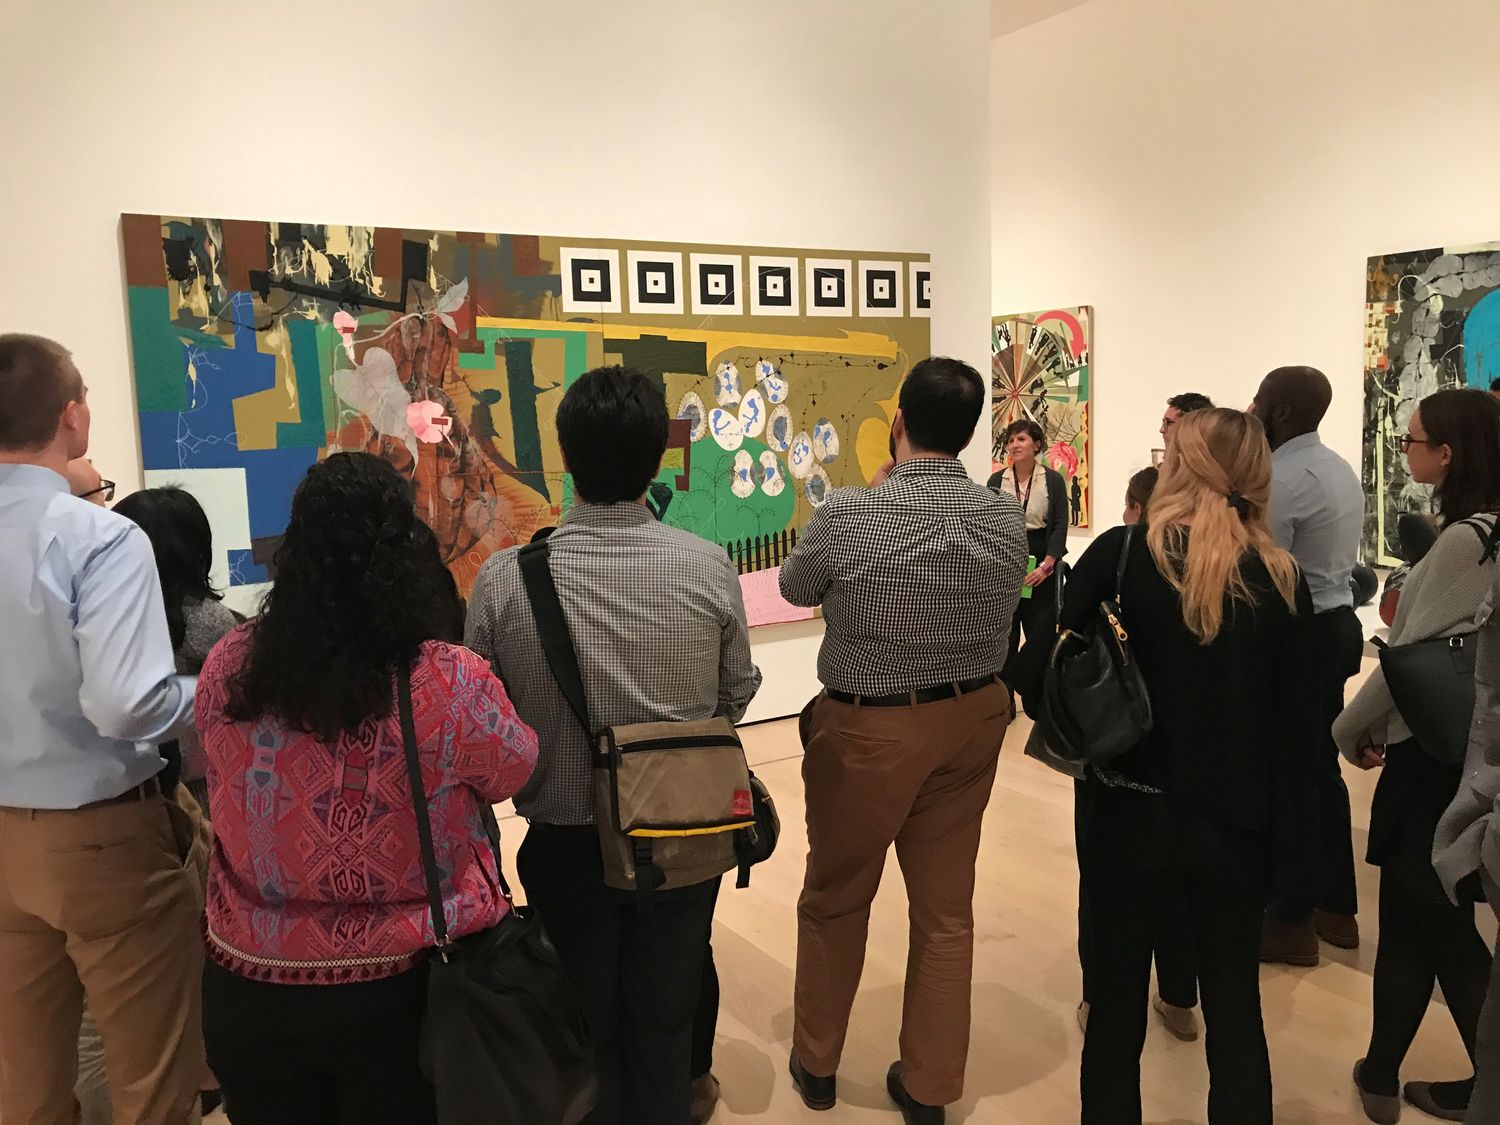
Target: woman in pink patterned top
pixel 317 910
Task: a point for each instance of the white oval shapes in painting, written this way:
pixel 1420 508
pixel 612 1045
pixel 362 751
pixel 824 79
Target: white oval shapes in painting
pixel 779 430
pixel 771 383
pixel 726 428
pixel 825 441
pixel 799 459
pixel 818 486
pixel 690 410
pixel 772 479
pixel 742 477
pixel 752 414
pixel 727 384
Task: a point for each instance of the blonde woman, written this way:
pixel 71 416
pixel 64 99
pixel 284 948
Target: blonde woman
pixel 1218 801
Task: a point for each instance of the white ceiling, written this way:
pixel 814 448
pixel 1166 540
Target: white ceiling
pixel 1011 15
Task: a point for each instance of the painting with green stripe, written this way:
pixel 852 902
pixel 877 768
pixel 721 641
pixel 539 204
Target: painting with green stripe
pixel 259 347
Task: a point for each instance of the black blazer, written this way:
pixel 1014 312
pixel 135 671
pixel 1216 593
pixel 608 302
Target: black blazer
pixel 1058 512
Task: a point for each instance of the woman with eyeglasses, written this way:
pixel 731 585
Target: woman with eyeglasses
pixel 1453 444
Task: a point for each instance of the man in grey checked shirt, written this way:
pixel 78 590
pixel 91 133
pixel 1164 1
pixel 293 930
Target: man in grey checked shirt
pixel 658 622
pixel 918 577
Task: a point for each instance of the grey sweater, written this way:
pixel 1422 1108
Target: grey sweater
pixel 1468 837
pixel 206 622
pixel 1442 596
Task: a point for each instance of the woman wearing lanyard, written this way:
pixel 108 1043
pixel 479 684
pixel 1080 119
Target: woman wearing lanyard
pixel 1043 495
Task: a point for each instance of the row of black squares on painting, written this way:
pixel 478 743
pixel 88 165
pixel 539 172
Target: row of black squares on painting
pixel 716 284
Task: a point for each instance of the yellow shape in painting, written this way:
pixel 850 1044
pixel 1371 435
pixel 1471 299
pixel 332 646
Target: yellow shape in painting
pixel 872 445
pixel 672 459
pixel 852 343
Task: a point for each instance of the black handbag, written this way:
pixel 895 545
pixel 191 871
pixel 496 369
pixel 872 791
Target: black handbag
pixel 504 1037
pixel 1432 684
pixel 1095 705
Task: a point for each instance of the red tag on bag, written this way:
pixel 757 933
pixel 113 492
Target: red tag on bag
pixel 742 805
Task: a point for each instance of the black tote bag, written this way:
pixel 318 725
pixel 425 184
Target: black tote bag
pixel 504 1038
pixel 1432 684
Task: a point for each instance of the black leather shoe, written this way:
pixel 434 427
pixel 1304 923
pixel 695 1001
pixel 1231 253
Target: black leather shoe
pixel 817 1093
pixel 913 1112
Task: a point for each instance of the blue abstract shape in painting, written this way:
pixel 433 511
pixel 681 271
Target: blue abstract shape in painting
pixel 1482 342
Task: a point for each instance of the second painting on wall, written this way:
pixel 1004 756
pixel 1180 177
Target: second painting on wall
pixel 1039 369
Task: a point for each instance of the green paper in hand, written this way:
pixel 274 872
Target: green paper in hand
pixel 1030 566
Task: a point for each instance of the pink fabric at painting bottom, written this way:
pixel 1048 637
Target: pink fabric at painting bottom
pixel 764 604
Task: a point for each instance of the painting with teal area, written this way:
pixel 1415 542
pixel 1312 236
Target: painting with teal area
pixel 203 436
pixel 1482 342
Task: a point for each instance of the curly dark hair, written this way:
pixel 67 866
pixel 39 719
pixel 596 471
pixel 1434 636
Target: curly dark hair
pixel 183 543
pixel 355 593
pixel 1028 427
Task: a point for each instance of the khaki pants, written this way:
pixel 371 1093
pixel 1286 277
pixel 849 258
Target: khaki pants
pixel 919 777
pixel 104 902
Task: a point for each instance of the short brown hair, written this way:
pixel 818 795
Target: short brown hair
pixel 34 388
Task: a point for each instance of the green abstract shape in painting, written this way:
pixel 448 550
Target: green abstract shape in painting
pixel 310 430
pixel 708 508
pixel 158 355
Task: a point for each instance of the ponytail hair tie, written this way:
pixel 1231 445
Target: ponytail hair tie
pixel 1239 504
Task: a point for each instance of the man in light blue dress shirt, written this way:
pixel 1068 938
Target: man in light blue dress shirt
pixel 1317 513
pixel 95 895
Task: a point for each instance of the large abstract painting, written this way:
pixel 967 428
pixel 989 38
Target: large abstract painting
pixel 1432 321
pixel 260 347
pixel 1040 369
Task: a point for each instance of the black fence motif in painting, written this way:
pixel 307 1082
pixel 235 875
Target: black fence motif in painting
pixel 761 552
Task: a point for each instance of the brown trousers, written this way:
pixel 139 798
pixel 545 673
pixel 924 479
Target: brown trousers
pixel 919 777
pixel 106 903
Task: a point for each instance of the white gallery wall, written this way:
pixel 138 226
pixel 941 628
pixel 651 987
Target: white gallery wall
pixel 840 123
pixel 1211 176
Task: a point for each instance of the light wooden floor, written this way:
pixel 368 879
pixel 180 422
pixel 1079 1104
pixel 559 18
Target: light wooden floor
pixel 1023 1063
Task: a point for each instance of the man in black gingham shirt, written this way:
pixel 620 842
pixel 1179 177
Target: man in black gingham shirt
pixel 918 578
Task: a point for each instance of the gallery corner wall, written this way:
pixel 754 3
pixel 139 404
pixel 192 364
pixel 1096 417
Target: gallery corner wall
pixel 1212 177
pixel 854 123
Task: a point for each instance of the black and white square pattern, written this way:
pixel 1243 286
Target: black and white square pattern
pixel 828 289
pixel 920 288
pixel 880 289
pixel 718 281
pixel 655 281
pixel 591 280
pixel 774 289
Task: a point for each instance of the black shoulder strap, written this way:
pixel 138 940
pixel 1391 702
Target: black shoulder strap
pixel 1124 560
pixel 419 805
pixel 424 820
pixel 552 628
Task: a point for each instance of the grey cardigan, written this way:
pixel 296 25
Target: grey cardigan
pixel 1468 837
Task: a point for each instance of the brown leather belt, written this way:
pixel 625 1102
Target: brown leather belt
pixel 921 695
pixel 145 790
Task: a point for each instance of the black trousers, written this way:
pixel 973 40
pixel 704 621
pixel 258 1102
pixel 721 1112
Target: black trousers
pixel 1037 615
pixel 343 1054
pixel 638 970
pixel 1172 935
pixel 1225 909
pixel 1337 634
pixel 706 1018
pixel 1422 942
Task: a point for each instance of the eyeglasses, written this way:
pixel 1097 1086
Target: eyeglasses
pixel 1406 441
pixel 105 486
